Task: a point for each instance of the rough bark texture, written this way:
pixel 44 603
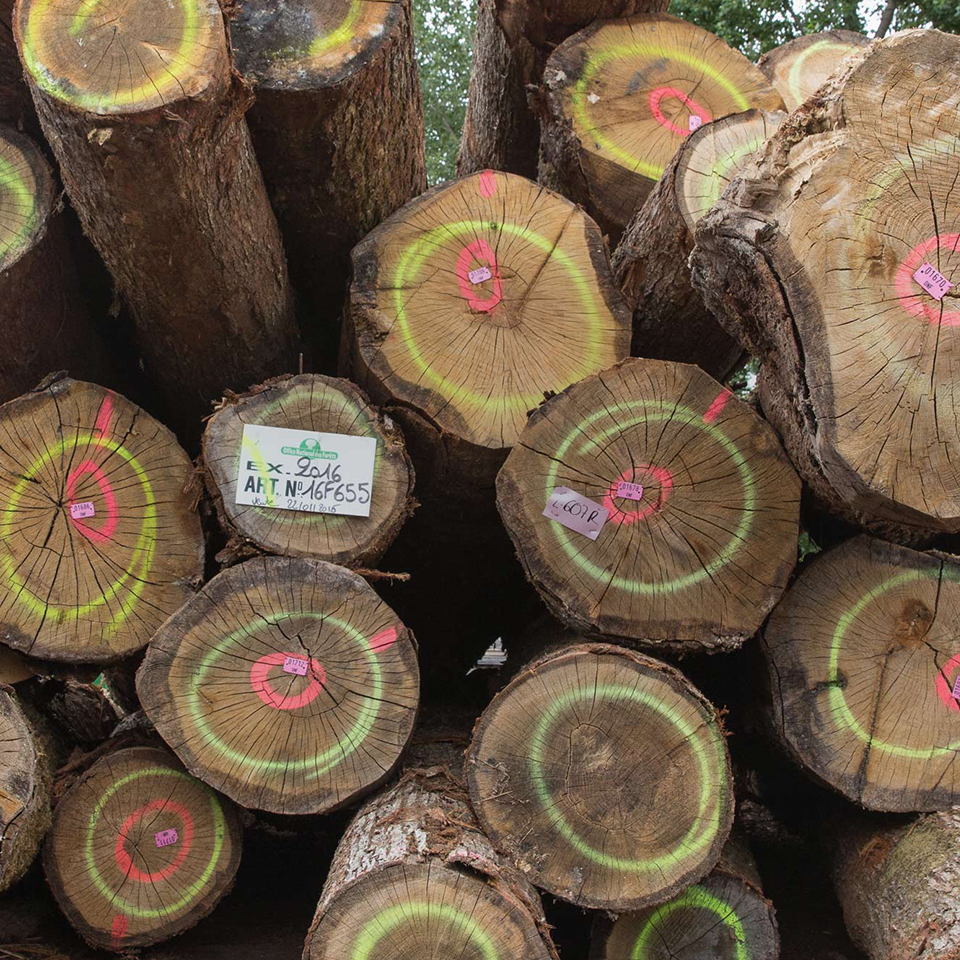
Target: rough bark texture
pixel 809 257
pixel 169 192
pixel 897 883
pixel 44 317
pixel 340 143
pixel 510 48
pixel 670 321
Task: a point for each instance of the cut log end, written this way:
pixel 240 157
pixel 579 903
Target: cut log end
pixel 310 43
pixel 604 775
pixel 320 405
pixel 113 57
pixel 26 195
pixel 623 96
pixel 139 850
pixel 864 659
pixel 696 549
pixel 101 535
pixel 799 68
pixel 287 684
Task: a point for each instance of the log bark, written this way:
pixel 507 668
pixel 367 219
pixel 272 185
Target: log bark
pixel 140 851
pixel 287 684
pixel 670 321
pixel 797 69
pixel 415 877
pixel 322 405
pixel 863 657
pixel 684 560
pixel 604 775
pixel 621 96
pixel 338 131
pixel 16 106
pixel 809 258
pixel 156 157
pixel 510 48
pixel 45 320
pixel 897 885
pixel 26 778
pixel 724 915
pixel 101 538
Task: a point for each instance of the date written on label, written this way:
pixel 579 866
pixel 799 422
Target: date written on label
pixel 575 512
pixel 299 470
pixel 165 837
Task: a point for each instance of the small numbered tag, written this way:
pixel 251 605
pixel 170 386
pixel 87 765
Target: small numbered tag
pixel 956 688
pixel 933 281
pixel 479 275
pixel 165 837
pixel 695 122
pixel 80 511
pixel 295 665
pixel 630 491
pixel 575 512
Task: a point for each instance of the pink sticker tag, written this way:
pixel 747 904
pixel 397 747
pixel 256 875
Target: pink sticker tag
pixel 295 665
pixel 932 280
pixel 165 837
pixel 695 122
pixel 632 491
pixel 80 511
pixel 479 275
pixel 576 513
pixel 956 688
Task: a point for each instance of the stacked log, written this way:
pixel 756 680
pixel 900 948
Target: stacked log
pixel 812 258
pixel 621 97
pixel 670 321
pixel 200 262
pixel 511 45
pixel 338 130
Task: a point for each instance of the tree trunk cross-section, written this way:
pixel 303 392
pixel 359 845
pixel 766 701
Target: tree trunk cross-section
pixel 100 538
pixel 723 917
pixel 622 95
pixel 897 884
pixel 603 774
pixel 338 131
pixel 287 684
pixel 468 306
pixel 799 68
pixel 26 772
pixel 414 877
pixel 139 850
pixel 141 108
pixel 704 554
pixel 510 48
pixel 863 656
pixel 670 321
pixel 322 405
pixel 809 258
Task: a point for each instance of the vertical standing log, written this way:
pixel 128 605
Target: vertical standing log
pixel 145 117
pixel 43 314
pixel 622 95
pixel 512 42
pixel 338 131
pixel 670 321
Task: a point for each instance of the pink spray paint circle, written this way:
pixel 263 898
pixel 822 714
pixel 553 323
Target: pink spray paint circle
pixel 641 473
pixel 913 298
pixel 672 93
pixel 262 687
pixel 112 515
pixel 945 682
pixel 125 861
pixel 479 251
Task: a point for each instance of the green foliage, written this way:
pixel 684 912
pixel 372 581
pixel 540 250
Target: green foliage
pixel 807 546
pixel 443 30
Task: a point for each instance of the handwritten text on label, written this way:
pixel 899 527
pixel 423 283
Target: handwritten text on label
pixel 576 513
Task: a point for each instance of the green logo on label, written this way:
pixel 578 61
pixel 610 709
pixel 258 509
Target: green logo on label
pixel 311 449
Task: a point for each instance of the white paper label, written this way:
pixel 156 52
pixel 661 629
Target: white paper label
pixel 575 512
pixel 300 470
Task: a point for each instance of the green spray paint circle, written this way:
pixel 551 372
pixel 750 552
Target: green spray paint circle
pixel 724 168
pixel 842 715
pixel 572 544
pixel 339 35
pixel 134 578
pixel 373 931
pixel 693 898
pixel 195 889
pixel 416 254
pixel 706 824
pixel 19 207
pixel 794 84
pixel 322 762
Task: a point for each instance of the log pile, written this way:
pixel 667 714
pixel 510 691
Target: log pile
pixel 273 649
